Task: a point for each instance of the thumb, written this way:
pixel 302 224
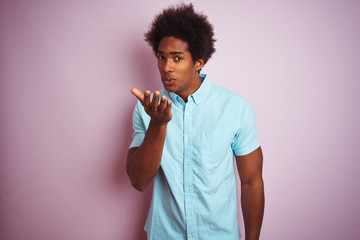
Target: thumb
pixel 137 93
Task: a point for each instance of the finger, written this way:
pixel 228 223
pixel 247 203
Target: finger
pixel 168 107
pixel 138 94
pixel 162 104
pixel 155 100
pixel 147 99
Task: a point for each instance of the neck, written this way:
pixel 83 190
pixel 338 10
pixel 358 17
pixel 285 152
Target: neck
pixel 195 85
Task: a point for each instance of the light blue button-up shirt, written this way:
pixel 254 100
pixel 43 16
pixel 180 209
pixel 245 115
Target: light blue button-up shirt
pixel 194 195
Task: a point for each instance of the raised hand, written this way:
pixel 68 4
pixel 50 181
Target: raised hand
pixel 160 113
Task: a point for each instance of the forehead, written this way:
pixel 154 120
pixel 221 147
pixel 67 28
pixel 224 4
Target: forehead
pixel 171 44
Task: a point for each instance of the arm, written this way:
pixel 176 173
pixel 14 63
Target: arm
pixel 143 162
pixel 252 192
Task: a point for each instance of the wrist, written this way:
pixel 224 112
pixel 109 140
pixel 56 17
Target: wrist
pixel 158 125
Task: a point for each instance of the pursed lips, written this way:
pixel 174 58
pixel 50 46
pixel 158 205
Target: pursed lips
pixel 168 79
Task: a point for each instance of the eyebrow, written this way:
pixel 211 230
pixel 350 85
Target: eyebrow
pixel 171 53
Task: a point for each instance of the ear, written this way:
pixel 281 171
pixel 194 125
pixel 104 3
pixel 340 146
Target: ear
pixel 199 64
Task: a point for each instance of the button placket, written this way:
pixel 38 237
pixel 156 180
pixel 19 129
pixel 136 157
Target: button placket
pixel 188 171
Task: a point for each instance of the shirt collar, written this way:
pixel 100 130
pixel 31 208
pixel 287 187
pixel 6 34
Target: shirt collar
pixel 204 89
pixel 200 94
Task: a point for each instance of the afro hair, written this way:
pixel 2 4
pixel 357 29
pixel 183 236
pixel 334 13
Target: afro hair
pixel 184 23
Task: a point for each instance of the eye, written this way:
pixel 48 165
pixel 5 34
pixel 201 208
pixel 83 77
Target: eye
pixel 161 57
pixel 178 58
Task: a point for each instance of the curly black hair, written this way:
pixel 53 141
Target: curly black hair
pixel 184 23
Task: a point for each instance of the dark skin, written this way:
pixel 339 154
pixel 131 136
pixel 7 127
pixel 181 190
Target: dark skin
pixel 252 192
pixel 180 74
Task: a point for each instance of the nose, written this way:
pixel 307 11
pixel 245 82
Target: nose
pixel 168 66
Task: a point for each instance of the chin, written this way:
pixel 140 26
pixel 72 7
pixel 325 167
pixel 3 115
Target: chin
pixel 170 88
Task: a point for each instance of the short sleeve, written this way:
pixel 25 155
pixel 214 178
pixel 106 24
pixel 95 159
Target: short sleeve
pixel 245 140
pixel 138 126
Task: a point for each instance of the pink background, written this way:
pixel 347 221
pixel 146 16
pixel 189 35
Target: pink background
pixel 66 72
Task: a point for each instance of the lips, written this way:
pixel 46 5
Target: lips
pixel 168 80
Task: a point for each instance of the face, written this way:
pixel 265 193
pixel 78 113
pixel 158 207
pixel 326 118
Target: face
pixel 179 73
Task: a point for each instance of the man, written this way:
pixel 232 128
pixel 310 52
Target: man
pixel 185 138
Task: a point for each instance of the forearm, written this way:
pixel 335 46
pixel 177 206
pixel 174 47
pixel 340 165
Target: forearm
pixel 252 202
pixel 144 163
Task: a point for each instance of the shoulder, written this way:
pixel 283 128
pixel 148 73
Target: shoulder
pixel 229 97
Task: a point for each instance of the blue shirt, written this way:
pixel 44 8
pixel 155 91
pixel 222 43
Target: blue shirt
pixel 194 195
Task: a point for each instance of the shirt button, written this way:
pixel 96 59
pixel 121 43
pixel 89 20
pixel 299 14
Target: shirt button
pixel 187 189
pixel 190 235
pixel 187 139
pixel 187 163
pixel 189 214
pixel 187 114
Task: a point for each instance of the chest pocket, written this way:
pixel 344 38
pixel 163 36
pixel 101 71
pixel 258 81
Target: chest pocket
pixel 215 147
